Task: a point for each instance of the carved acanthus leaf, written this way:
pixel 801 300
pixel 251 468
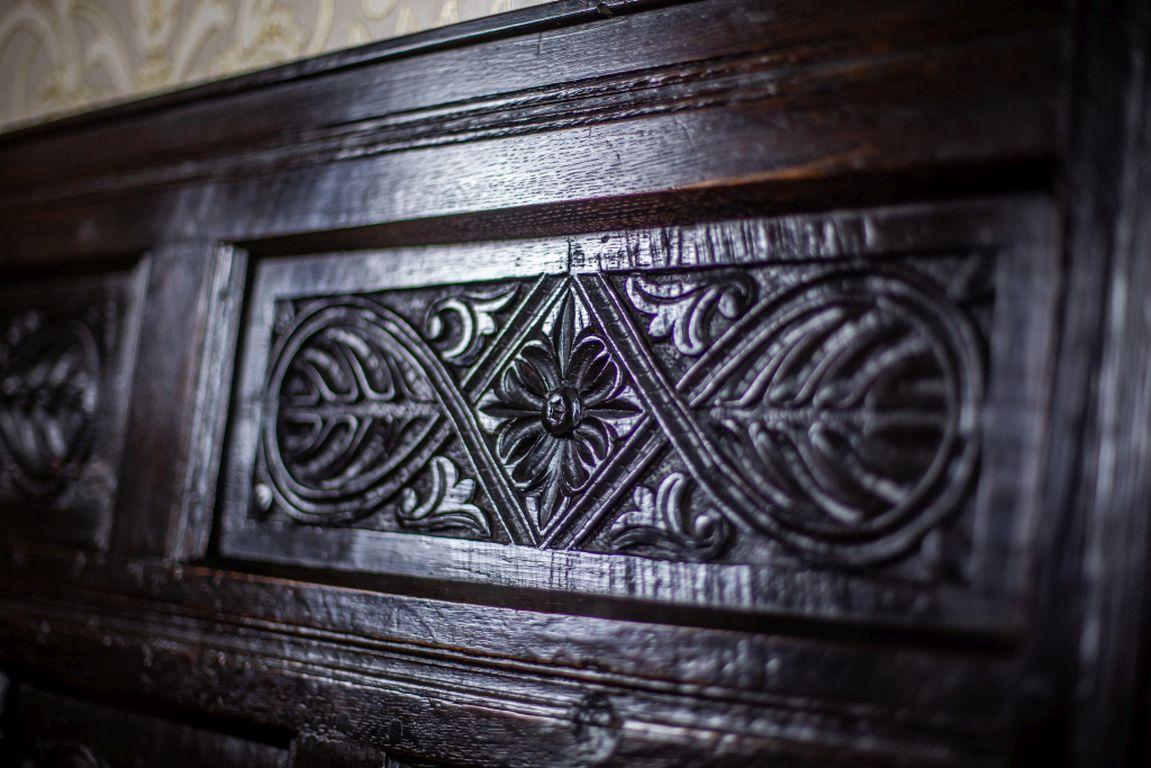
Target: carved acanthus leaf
pixel 684 308
pixel 663 524
pixel 474 318
pixel 448 506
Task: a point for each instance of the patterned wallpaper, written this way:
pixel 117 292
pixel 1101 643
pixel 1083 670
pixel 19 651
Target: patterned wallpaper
pixel 62 56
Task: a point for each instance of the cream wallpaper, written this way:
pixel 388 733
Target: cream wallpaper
pixel 62 56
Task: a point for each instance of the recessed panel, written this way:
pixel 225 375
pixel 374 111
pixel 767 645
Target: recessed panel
pixel 750 414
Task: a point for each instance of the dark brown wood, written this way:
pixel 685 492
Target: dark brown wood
pixel 425 669
pixel 62 732
pixel 185 357
pixel 1088 673
pixel 630 383
pixel 67 352
pixel 656 464
pixel 810 93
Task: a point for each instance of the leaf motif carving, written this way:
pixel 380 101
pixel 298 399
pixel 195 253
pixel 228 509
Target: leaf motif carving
pixel 460 323
pixel 838 413
pixel 448 506
pixel 358 405
pixel 352 413
pixel 663 525
pixel 852 405
pixel 684 309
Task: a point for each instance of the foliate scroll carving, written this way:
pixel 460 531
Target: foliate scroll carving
pixel 685 309
pixel 63 367
pixel 829 413
pixel 664 524
pixel 49 390
pixel 448 505
pixel 459 325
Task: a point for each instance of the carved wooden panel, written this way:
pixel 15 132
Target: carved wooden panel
pixel 676 414
pixel 65 356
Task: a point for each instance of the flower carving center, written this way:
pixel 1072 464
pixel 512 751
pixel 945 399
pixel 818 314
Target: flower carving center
pixel 562 411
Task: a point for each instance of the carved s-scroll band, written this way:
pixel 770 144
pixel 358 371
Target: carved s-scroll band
pixel 839 416
pixel 676 420
pixel 348 381
pixel 835 410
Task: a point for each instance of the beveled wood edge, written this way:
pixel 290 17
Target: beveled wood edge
pixel 881 144
pixel 550 15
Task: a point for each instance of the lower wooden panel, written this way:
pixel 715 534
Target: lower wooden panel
pixel 465 685
pixel 58 731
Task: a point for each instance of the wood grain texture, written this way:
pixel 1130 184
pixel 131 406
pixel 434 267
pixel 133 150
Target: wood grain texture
pixel 404 673
pixel 190 310
pixel 1097 546
pixel 309 408
pixel 557 14
pixel 810 93
pixel 628 187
